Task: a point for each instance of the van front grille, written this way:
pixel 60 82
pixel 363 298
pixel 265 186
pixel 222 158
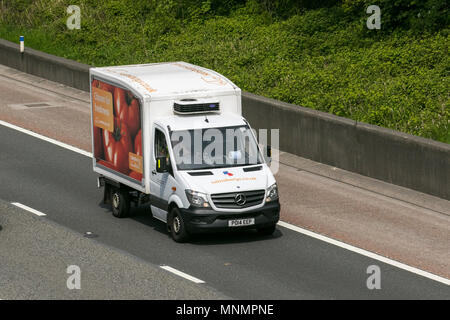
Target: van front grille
pixel 234 200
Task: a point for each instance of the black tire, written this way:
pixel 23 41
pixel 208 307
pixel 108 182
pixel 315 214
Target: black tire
pixel 120 203
pixel 267 231
pixel 177 227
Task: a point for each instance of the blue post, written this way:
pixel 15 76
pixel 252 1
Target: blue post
pixel 22 44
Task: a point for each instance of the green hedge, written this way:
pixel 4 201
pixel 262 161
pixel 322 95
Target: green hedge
pixel 310 53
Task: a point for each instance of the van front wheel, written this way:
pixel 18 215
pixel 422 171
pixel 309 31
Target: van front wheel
pixel 177 227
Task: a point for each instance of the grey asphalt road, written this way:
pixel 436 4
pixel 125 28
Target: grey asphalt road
pixel 36 257
pixel 240 265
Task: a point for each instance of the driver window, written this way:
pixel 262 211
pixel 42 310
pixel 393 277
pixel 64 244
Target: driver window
pixel 161 149
pixel 160 145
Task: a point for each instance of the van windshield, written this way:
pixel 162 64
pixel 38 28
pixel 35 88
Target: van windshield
pixel 214 148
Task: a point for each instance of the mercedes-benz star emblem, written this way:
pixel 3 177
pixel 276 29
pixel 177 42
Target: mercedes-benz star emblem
pixel 240 199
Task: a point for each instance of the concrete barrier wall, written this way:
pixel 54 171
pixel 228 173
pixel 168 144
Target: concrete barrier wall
pixel 384 154
pixel 391 156
pixel 45 65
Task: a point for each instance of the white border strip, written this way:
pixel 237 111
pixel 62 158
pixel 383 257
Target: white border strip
pixel 365 253
pixel 36 135
pixel 281 223
pixel 182 274
pixel 22 206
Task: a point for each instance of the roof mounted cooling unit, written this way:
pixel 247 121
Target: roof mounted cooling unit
pixel 194 106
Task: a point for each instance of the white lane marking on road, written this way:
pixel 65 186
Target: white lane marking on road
pixel 37 135
pixel 365 253
pixel 38 213
pixel 281 223
pixel 182 274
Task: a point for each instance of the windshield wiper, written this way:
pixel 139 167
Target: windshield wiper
pixel 224 167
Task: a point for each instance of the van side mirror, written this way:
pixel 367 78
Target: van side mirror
pixel 268 156
pixel 269 152
pixel 161 164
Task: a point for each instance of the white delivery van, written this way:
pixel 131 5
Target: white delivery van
pixel 172 135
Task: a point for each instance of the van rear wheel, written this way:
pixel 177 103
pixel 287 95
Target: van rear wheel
pixel 177 227
pixel 120 203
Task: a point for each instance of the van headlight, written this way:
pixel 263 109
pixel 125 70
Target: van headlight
pixel 197 199
pixel 272 193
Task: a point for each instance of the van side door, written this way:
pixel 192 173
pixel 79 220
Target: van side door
pixel 160 182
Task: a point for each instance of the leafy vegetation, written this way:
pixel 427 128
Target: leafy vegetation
pixel 318 54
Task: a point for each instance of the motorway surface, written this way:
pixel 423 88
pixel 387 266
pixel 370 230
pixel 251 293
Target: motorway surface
pixel 243 265
pixel 289 265
pixel 36 255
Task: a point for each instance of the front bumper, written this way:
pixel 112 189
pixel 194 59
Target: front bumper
pixel 201 220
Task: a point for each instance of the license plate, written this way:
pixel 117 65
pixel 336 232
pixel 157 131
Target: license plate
pixel 241 222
